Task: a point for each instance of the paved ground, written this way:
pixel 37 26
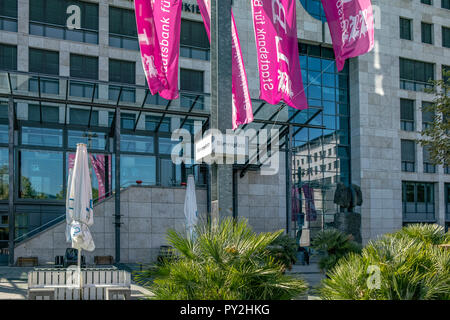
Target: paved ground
pixel 13 281
pixel 13 285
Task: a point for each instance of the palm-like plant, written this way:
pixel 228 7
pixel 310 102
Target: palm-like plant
pixel 223 262
pixel 411 267
pixel 333 244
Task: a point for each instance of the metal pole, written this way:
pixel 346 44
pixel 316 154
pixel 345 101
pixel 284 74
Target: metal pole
pixel 221 104
pixel 11 217
pixel 288 179
pixel 117 182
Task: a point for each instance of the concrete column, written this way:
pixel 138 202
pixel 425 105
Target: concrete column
pixel 221 104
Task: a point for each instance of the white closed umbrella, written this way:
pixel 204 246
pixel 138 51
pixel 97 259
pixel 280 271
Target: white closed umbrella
pixel 79 205
pixel 190 206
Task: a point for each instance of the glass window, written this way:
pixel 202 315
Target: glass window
pixel 81 116
pixel 134 168
pixel 166 145
pixel 49 113
pixel 427 115
pixel 100 178
pixel 134 143
pixel 429 2
pixel 446 37
pixel 122 71
pixel 42 136
pixel 43 61
pixel 167 173
pixel 4 174
pixel 152 122
pixel 4 134
pixel 428 166
pixel 418 202
pixel 94 140
pixel 8 15
pixel 191 80
pixel 415 75
pixel 8 57
pixel 122 29
pixel 194 40
pixel 408 155
pixel 83 67
pixel 427 33
pixel 315 9
pixel 41 175
pixel 445 4
pixel 407 114
pixel 405 29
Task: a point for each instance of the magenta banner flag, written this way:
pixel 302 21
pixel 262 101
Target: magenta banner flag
pixel 242 103
pixel 149 45
pixel 275 27
pixel 167 14
pixel 351 28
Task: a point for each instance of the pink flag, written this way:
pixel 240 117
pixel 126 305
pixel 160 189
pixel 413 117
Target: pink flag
pixel 351 27
pixel 275 27
pixel 242 103
pixel 148 42
pixel 167 15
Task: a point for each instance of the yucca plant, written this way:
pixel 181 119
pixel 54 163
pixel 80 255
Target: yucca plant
pixel 411 267
pixel 224 262
pixel 332 245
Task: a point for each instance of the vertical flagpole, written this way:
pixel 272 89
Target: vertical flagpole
pixel 221 103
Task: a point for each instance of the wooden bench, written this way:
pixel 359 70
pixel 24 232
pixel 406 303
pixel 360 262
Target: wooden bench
pixel 27 261
pixel 97 283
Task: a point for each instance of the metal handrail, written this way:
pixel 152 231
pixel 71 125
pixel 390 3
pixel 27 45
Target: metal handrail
pixel 56 220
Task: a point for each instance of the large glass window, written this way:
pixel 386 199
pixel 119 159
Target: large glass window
pixel 405 28
pixel 137 168
pixel 194 40
pixel 418 202
pixel 427 33
pixel 122 29
pixel 408 150
pixel 407 114
pixel 322 156
pixel 8 15
pixel 48 18
pixel 134 143
pixel 36 136
pixel 8 57
pixel 41 175
pixel 315 9
pixel 93 140
pixel 415 75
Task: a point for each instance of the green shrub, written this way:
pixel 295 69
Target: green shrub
pixel 284 250
pixel 332 245
pixel 411 265
pixel 225 262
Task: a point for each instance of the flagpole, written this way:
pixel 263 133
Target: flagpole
pixel 79 272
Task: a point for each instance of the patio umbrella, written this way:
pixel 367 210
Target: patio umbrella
pixel 79 206
pixel 190 206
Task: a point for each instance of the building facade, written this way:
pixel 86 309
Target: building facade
pixel 60 86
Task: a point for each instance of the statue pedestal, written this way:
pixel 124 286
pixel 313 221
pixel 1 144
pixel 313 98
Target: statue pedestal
pixel 350 223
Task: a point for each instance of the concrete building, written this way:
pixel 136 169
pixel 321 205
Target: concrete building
pixel 60 86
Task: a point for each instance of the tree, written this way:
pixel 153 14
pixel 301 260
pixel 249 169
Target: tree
pixel 436 136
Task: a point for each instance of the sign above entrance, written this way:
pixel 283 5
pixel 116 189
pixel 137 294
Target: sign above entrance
pixel 191 8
